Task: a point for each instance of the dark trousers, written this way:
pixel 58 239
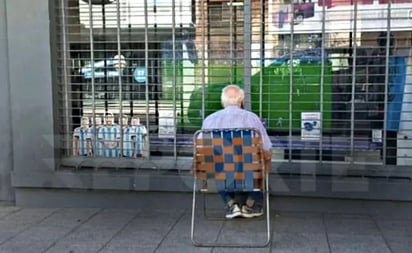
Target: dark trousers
pixel 241 197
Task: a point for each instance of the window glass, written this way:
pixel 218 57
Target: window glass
pixel 330 80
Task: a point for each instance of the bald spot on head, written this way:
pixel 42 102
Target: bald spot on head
pixel 232 92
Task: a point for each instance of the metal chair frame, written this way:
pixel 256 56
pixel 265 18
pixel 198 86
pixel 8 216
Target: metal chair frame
pixel 203 175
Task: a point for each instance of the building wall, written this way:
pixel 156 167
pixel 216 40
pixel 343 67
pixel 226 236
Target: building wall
pixel 6 192
pixel 29 64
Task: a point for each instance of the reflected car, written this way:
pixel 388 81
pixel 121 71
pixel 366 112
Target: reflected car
pixel 109 68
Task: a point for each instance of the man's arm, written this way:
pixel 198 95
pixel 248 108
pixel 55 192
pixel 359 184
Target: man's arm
pixel 267 157
pixel 76 136
pixel 75 146
pixel 89 145
pixel 267 144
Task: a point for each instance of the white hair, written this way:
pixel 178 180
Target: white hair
pixel 235 98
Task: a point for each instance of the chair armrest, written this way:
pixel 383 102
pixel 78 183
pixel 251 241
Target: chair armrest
pixel 267 157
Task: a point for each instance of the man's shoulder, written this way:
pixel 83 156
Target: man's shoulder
pixel 250 113
pixel 81 130
pixel 76 131
pixel 214 115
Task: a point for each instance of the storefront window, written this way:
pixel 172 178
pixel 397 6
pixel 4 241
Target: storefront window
pixel 331 80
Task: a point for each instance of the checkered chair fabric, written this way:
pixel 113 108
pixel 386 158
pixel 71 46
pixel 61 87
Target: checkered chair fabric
pixel 232 157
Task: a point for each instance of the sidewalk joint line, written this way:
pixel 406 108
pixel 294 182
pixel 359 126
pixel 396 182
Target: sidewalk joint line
pixel 381 233
pixel 28 226
pixel 11 213
pixel 170 230
pixel 119 231
pixel 325 228
pixel 72 230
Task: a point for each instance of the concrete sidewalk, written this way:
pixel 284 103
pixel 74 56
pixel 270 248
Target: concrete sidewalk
pixel 300 225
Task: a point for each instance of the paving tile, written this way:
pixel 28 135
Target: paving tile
pixel 127 249
pixel 395 227
pixel 129 245
pixel 186 249
pixel 319 205
pixel 145 232
pixel 390 209
pixel 350 225
pixel 357 243
pixel 39 237
pixel 296 214
pixel 29 216
pixel 243 231
pixel 6 203
pixel 21 220
pixel 7 210
pixel 299 243
pixel 178 240
pixel 95 233
pixel 241 250
pixel 205 231
pixel 209 231
pixel 298 223
pixel 399 244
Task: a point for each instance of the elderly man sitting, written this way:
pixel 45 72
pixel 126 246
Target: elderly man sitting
pixel 246 204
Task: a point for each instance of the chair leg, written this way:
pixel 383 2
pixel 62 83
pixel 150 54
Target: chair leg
pixel 192 229
pixel 229 245
pixel 267 211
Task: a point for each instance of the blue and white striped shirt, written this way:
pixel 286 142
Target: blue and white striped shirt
pixel 128 135
pixel 139 131
pixel 235 117
pixel 110 136
pixel 97 147
pixel 82 133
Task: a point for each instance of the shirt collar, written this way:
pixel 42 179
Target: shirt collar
pixel 232 107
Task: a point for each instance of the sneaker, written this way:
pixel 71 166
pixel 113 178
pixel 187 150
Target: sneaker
pixel 250 212
pixel 233 211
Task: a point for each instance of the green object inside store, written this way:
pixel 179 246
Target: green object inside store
pixel 273 100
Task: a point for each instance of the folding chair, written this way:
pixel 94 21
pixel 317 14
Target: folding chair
pixel 232 160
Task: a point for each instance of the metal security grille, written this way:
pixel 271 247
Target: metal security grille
pixel 330 79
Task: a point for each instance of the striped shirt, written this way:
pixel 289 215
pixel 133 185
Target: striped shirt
pixel 128 135
pixel 82 135
pixel 235 117
pixel 97 147
pixel 139 131
pixel 110 136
